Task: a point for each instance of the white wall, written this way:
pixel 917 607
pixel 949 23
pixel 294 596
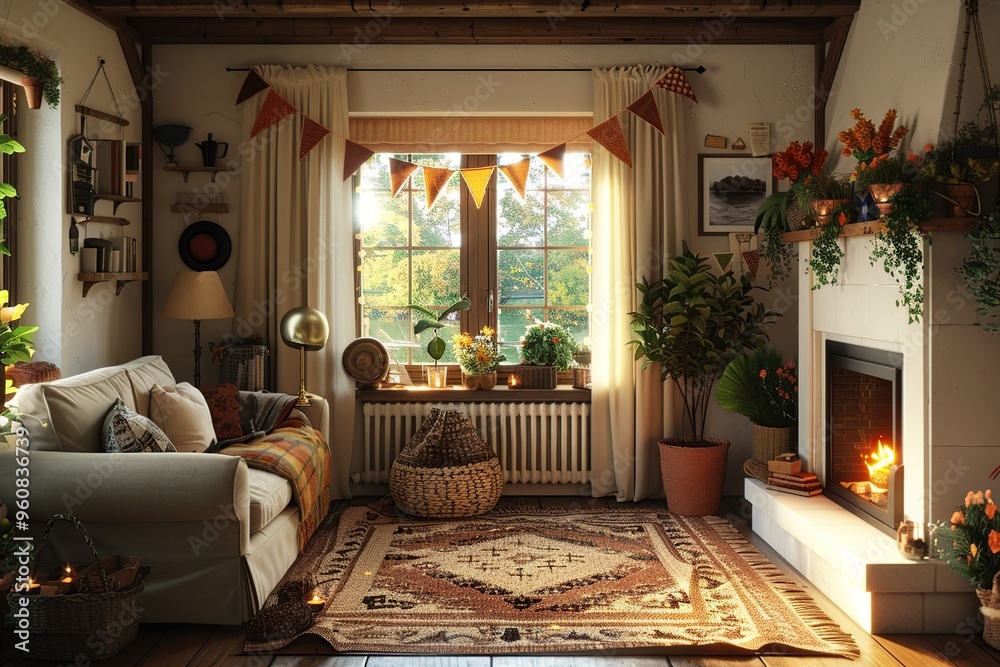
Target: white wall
pixel 75 333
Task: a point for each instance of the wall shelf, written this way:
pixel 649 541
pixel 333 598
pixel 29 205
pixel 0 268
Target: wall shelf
pixel 875 226
pixel 212 171
pixel 117 199
pixel 204 208
pixel 82 219
pixel 120 280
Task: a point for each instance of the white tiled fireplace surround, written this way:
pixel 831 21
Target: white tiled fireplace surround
pixel 951 381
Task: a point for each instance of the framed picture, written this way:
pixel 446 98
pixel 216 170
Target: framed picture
pixel 730 190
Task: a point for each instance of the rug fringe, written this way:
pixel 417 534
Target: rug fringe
pixel 800 600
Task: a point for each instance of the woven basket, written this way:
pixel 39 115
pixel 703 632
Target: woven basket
pixel 768 442
pixel 693 477
pixel 796 216
pixel 446 470
pixel 94 626
pixel 534 377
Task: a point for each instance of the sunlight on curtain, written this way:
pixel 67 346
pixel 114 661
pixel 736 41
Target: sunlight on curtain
pixel 296 242
pixel 638 220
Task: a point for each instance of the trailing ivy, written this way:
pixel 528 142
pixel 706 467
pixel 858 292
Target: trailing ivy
pixel 981 270
pixel 777 253
pixel 900 247
pixel 826 250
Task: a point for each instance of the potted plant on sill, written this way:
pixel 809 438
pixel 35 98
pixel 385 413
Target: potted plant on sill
pixel 437 376
pixel 693 323
pixel 37 73
pixel 545 349
pixel 479 357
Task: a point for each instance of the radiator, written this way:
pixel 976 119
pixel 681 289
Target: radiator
pixel 537 443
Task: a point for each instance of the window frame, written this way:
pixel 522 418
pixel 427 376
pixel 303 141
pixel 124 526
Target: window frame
pixel 8 174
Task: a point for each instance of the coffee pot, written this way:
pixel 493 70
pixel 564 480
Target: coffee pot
pixel 210 150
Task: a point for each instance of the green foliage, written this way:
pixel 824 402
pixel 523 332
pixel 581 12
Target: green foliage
pixel 547 344
pixel 773 213
pixel 432 320
pixel 824 186
pixel 897 168
pixel 900 247
pixel 478 355
pixel 826 250
pixel 762 387
pixel 981 269
pixel 967 542
pixel 693 323
pixel 34 64
pixel 943 165
pixel 8 146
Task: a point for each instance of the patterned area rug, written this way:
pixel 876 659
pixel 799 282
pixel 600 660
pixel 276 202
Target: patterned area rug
pixel 536 581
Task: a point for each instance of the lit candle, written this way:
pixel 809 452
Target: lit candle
pixel 316 604
pixel 68 579
pixel 511 380
pixel 33 586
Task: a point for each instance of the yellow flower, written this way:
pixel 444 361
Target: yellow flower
pixel 486 331
pixel 462 340
pixel 973 549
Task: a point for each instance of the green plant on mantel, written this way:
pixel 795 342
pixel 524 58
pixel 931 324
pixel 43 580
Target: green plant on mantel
pixel 826 251
pixel 981 269
pixel 899 246
pixel 776 252
pixel 34 64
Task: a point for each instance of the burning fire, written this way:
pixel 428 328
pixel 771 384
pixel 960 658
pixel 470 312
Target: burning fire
pixel 879 462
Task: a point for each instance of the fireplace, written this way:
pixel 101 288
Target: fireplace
pixel 863 442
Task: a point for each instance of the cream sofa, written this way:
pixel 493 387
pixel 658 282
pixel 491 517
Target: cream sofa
pixel 216 534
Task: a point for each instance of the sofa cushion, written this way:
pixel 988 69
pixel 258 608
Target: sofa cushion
pixel 223 403
pixel 181 412
pixel 146 375
pixel 269 495
pixel 125 430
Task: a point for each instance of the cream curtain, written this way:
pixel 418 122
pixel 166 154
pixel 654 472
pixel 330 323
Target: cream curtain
pixel 296 242
pixel 638 221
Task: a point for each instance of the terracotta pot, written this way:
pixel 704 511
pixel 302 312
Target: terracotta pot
pixel 693 477
pixel 824 208
pixel 882 193
pixel 479 382
pixel 964 199
pixel 32 91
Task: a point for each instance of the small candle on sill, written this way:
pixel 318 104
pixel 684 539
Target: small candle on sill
pixel 68 579
pixel 33 586
pixel 316 603
pixel 511 380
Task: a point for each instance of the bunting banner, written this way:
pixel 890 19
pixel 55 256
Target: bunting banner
pixel 355 155
pixel 517 174
pixel 312 134
pixel 724 259
pixel 435 178
pixel 609 134
pixel 274 109
pixel 399 171
pixel 476 179
pixel 252 85
pixel 646 109
pixel 752 258
pixel 553 159
pixel 676 81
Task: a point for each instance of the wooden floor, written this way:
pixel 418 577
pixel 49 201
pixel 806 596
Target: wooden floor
pixel 179 645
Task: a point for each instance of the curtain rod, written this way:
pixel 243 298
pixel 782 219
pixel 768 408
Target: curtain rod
pixel 700 69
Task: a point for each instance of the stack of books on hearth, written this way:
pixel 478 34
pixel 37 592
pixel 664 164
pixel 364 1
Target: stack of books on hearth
pixel 799 483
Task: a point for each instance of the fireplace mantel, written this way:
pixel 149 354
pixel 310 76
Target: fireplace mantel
pixel 874 227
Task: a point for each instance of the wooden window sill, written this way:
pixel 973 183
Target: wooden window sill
pixel 459 394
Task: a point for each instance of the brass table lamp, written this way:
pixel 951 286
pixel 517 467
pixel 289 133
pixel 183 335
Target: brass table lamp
pixel 306 329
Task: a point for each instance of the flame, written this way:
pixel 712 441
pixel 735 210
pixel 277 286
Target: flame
pixel 880 461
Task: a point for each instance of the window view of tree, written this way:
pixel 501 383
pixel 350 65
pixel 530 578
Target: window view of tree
pixel 411 255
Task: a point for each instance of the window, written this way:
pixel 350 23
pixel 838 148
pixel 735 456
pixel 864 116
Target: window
pixel 515 260
pixel 8 174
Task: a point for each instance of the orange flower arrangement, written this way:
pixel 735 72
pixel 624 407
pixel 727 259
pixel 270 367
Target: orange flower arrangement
pixel 864 142
pixel 970 541
pixel 798 162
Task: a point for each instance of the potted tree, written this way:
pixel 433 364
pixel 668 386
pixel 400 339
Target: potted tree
pixel 693 323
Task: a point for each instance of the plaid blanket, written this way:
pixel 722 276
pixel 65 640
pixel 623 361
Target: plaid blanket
pixel 300 455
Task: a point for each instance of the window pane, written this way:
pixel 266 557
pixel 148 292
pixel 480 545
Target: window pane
pixel 568 218
pixel 386 274
pixel 522 277
pixel 513 322
pixel 576 321
pixel 436 276
pixel 568 278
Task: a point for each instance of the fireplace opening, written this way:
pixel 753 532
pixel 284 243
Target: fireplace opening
pixel 864 452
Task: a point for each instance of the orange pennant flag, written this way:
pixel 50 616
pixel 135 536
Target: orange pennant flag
pixel 553 159
pixel 476 180
pixel 646 109
pixel 312 134
pixel 435 178
pixel 274 109
pixel 355 155
pixel 399 171
pixel 517 174
pixel 252 85
pixel 676 81
pixel 609 134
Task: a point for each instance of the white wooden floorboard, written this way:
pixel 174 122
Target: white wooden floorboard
pixel 428 661
pixel 581 661
pixel 319 661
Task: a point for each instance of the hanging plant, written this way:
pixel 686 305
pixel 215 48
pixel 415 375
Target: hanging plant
pixel 826 251
pixel 981 270
pixel 899 246
pixel 34 64
pixel 776 253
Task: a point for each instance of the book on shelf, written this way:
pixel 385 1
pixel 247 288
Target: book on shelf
pixel 797 492
pixel 774 481
pixel 796 476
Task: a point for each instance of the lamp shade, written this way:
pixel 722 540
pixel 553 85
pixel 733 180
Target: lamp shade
pixel 305 328
pixel 197 295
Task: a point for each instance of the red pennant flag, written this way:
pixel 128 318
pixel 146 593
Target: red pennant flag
pixel 553 159
pixel 435 178
pixel 517 174
pixel 646 109
pixel 274 109
pixel 355 155
pixel 312 134
pixel 752 258
pixel 399 171
pixel 677 82
pixel 609 134
pixel 252 85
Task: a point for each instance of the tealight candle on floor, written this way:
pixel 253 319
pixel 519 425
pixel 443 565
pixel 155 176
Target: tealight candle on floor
pixel 316 603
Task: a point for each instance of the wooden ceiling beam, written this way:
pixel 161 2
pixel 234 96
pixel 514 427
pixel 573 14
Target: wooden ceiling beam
pixel 477 31
pixel 115 23
pixel 479 9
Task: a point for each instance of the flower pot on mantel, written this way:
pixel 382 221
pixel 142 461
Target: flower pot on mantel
pixel 482 381
pixel 964 199
pixel 882 193
pixel 824 208
pixel 693 477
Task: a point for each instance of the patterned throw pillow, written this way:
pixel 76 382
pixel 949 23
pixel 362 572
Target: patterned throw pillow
pixel 125 430
pixel 223 403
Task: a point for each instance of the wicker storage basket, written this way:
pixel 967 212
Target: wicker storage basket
pixel 768 442
pixel 93 626
pixel 693 477
pixel 446 470
pixel 534 377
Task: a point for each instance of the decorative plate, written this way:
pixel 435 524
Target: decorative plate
pixel 204 246
pixel 366 361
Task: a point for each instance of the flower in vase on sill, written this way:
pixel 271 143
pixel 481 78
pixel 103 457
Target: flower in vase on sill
pixel 477 355
pixel 970 541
